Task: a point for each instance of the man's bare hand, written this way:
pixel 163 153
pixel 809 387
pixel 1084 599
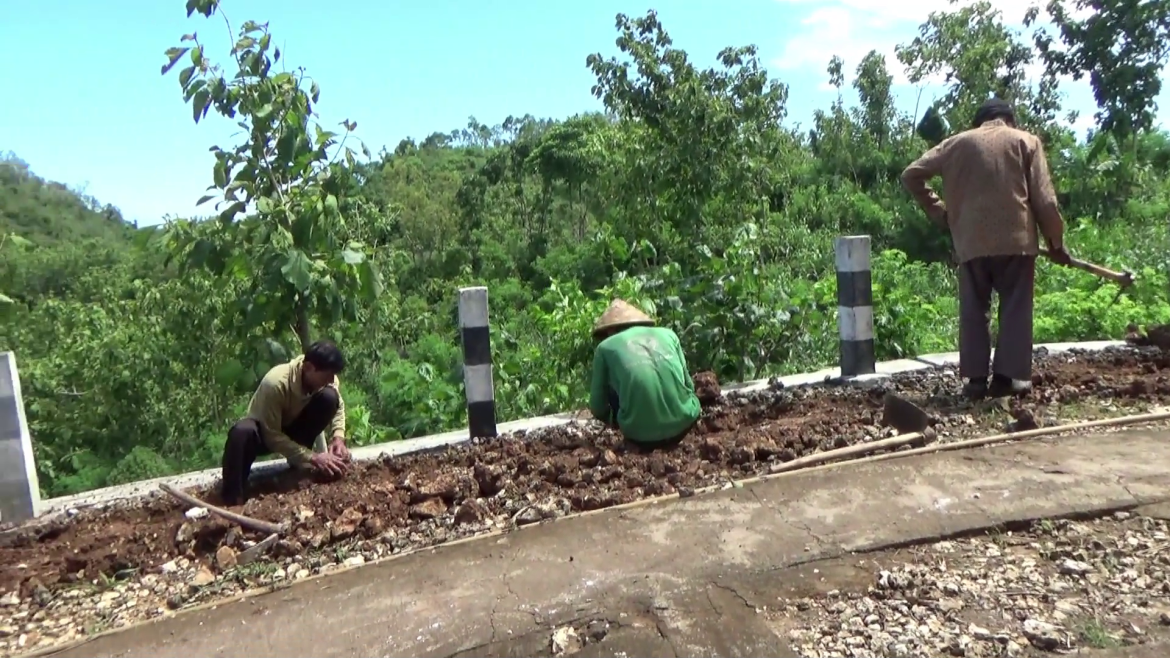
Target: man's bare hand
pixel 338 449
pixel 1059 255
pixel 329 464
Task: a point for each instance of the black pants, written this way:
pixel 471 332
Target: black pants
pixel 245 441
pixel 1013 279
pixel 665 443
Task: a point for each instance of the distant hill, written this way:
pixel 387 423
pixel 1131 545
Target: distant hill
pixel 47 212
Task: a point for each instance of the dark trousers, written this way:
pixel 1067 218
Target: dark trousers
pixel 245 441
pixel 614 405
pixel 1013 279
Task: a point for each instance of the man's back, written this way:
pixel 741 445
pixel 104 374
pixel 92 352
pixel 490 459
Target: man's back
pixel 646 368
pixel 996 185
pixel 280 389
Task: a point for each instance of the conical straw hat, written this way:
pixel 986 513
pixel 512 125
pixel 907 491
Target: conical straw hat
pixel 621 314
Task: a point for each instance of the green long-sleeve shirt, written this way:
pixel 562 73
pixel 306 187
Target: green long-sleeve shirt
pixel 278 400
pixel 646 369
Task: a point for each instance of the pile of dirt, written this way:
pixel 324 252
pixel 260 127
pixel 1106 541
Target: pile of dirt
pixel 1155 336
pixel 427 498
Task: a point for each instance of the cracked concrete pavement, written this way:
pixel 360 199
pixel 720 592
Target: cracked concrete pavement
pixel 679 578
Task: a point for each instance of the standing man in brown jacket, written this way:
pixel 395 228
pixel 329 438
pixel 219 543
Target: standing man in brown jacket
pixel 998 192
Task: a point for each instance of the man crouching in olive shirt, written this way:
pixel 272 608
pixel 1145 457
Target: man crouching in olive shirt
pixel 295 403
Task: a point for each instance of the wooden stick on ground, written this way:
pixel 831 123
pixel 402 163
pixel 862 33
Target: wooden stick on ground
pixel 848 451
pixel 894 442
pixel 239 519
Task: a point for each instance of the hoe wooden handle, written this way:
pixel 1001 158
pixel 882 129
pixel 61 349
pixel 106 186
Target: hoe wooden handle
pixel 1121 278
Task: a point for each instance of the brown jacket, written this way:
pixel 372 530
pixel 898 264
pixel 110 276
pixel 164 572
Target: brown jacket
pixel 998 190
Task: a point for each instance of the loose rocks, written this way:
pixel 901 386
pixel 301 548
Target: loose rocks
pixel 1060 587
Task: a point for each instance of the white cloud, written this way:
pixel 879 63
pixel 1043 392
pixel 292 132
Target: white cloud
pixel 850 29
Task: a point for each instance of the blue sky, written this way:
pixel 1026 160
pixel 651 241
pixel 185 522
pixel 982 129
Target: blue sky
pixel 88 107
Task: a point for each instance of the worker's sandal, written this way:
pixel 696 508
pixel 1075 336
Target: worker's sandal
pixel 976 388
pixel 1002 387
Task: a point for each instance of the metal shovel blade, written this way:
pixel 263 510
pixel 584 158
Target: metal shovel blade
pixel 903 415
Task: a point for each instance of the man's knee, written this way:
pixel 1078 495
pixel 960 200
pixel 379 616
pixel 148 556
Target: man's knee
pixel 244 432
pixel 328 398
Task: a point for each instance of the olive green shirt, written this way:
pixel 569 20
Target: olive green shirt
pixel 278 400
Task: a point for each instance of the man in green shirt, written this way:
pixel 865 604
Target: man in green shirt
pixel 640 379
pixel 295 403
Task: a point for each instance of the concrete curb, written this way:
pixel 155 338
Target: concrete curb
pixel 54 506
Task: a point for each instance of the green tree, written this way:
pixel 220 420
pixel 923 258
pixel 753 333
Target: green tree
pixel 978 56
pixel 1122 45
pixel 689 133
pixel 293 249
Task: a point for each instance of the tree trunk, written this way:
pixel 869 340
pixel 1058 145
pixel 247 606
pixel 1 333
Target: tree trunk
pixel 303 327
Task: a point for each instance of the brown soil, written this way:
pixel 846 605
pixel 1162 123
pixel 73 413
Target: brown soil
pixel 428 498
pixel 1156 336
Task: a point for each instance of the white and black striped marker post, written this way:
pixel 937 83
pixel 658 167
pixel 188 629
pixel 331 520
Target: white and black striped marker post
pixel 855 305
pixel 20 491
pixel 477 362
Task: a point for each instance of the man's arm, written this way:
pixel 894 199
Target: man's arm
pixel 337 425
pixel 266 409
pixel 1042 197
pixel 916 177
pixel 598 398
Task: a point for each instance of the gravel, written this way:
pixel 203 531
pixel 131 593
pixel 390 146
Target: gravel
pixel 55 616
pixel 1061 586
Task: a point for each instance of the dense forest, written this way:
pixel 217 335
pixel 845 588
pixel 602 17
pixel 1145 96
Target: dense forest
pixel 691 195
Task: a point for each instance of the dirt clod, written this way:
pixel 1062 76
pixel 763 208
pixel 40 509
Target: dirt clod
pixel 225 558
pixel 707 388
pixel 428 509
pixel 470 512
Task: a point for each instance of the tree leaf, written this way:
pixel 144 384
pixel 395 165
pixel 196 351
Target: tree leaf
pixel 199 104
pixel 229 373
pixel 352 257
pixel 298 270
pixel 185 76
pixel 173 55
pixel 277 350
pixel 5 299
pixel 371 280
pixel 229 214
